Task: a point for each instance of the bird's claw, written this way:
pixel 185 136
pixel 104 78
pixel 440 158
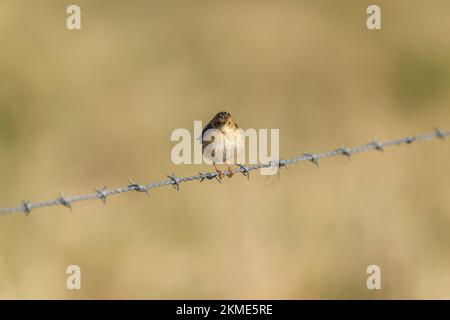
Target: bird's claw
pixel 220 174
pixel 229 172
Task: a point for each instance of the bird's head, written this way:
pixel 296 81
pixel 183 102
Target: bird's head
pixel 223 120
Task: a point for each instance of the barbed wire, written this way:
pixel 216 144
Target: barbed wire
pixel 175 182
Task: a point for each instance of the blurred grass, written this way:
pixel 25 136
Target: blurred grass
pixel 83 109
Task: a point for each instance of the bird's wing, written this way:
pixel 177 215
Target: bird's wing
pixel 206 128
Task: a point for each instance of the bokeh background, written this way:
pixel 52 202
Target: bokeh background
pixel 83 109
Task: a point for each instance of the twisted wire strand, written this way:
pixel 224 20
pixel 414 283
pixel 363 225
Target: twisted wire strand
pixel 175 182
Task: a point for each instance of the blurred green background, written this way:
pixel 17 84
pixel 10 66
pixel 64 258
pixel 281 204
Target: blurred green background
pixel 83 109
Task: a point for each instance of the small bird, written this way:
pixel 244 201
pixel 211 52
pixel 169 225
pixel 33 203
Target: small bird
pixel 230 137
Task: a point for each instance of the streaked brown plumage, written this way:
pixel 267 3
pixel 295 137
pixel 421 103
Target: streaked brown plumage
pixel 227 127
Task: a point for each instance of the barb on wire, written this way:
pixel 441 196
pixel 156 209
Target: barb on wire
pixel 281 164
pixel 209 176
pixel 64 202
pixel 378 146
pixel 439 133
pixel 312 157
pixel 26 207
pixel 104 193
pixel 344 151
pixel 174 181
pixel 137 187
pixel 244 170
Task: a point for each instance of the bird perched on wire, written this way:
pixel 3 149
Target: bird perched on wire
pixel 221 140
